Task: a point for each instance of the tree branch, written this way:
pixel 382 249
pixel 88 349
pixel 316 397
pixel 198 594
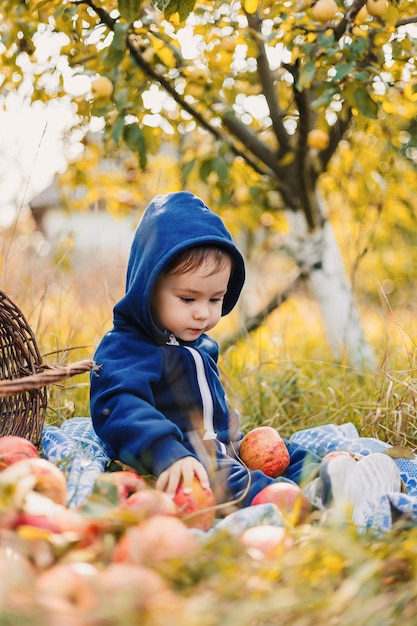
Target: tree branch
pixel 253 323
pixel 406 20
pixel 336 133
pixel 250 140
pixel 102 13
pixel 303 162
pixel 268 88
pixel 348 18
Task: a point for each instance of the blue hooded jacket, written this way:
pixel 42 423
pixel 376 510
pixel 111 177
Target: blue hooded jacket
pixel 152 393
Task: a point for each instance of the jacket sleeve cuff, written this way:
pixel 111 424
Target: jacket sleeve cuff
pixel 164 453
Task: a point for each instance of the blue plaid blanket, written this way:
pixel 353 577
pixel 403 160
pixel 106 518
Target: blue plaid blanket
pixel 77 450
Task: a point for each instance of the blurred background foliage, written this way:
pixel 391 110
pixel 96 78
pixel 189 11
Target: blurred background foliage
pixel 147 94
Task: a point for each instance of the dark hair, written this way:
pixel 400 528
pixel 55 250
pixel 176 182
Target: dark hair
pixel 195 257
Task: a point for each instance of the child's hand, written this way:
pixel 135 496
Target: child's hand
pixel 182 470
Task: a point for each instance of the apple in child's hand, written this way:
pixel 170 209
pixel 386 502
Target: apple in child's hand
pixel 197 508
pixel 290 499
pixel 14 448
pixel 263 449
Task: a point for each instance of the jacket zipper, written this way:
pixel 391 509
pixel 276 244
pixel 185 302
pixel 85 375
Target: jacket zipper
pixel 206 397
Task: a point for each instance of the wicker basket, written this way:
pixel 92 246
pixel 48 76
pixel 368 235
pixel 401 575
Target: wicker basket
pixel 24 377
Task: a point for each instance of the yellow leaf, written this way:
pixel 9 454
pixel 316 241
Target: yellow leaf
pixel 410 91
pixel 32 533
pixel 294 54
pixel 175 19
pixel 286 159
pixel 164 52
pixel 389 106
pixel 400 452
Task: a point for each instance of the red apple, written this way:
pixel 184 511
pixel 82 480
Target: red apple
pixel 150 502
pixel 14 448
pixel 142 590
pixel 126 483
pixel 68 592
pixel 158 538
pixel 17 575
pixel 333 453
pixel 291 501
pixel 36 474
pixel 39 511
pixel 265 540
pixel 263 449
pixel 197 509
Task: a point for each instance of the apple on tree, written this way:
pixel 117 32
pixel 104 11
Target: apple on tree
pixel 318 139
pixel 264 449
pixel 377 8
pixel 324 10
pixel 101 88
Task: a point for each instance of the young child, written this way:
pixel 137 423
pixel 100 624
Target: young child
pixel 156 398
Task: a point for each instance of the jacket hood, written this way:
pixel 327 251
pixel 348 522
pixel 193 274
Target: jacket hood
pixel 171 223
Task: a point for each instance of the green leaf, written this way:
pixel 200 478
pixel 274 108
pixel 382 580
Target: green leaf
pixel 365 104
pixel 113 56
pixel 135 141
pixel 121 99
pixel 362 76
pixel 161 4
pixel 327 42
pixel 324 99
pixel 221 167
pixel 343 69
pixel 205 170
pixel 119 39
pixel 117 129
pixel 169 7
pixel 358 97
pixel 306 75
pixel 186 170
pixel 129 9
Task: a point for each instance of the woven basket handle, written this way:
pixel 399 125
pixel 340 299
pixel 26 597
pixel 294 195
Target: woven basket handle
pixel 49 376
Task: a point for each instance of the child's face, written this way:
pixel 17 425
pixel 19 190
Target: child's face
pixel 190 304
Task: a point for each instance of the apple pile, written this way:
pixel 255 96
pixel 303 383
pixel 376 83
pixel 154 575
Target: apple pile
pixel 75 565
pixel 67 563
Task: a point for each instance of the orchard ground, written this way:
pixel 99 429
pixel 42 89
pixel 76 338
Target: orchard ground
pixel 280 376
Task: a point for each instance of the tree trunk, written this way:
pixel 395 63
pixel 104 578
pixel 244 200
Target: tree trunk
pixel 319 253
